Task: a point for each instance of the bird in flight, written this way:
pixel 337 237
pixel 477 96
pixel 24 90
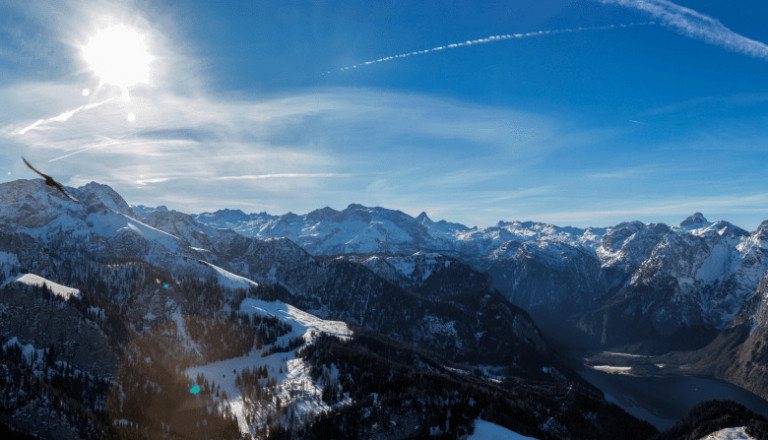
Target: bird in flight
pixel 50 182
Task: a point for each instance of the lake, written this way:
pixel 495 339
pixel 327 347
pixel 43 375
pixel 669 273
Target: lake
pixel 662 401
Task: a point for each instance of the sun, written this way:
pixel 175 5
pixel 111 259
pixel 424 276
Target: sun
pixel 118 55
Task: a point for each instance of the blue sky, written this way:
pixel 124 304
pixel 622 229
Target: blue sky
pixel 249 105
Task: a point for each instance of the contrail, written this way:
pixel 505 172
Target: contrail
pixel 491 39
pixel 694 24
pixel 84 149
pixel 63 117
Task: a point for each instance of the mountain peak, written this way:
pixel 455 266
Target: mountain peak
pixel 322 214
pixel 98 192
pixel 424 219
pixel 762 230
pixel 231 212
pixel 697 219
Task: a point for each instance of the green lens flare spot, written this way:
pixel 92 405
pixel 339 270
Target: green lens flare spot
pixel 165 286
pixel 195 389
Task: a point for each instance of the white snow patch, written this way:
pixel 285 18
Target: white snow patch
pixel 229 279
pixel 31 279
pixel 739 433
pixel 304 324
pixel 629 355
pixel 611 369
pixel 491 431
pixel 456 370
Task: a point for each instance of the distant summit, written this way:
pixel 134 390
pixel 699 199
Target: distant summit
pixel 695 220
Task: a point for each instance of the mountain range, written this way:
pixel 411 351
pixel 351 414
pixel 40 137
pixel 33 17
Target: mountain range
pixel 678 285
pixel 138 322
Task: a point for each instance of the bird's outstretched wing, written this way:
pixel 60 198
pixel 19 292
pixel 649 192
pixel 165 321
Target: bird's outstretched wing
pixel 33 169
pixel 50 181
pixel 61 188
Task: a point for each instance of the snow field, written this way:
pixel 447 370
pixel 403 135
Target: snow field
pixel 294 386
pixel 611 369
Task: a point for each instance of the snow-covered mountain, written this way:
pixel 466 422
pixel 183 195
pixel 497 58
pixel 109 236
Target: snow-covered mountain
pixel 123 322
pixel 357 229
pixel 436 319
pixel 164 327
pixel 692 283
pixel 687 279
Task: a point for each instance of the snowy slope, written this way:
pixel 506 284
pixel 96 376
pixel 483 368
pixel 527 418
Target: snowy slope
pixel 304 324
pixel 57 289
pixel 294 387
pixel 738 433
pixel 231 280
pixel 167 296
pixel 554 272
pixel 104 225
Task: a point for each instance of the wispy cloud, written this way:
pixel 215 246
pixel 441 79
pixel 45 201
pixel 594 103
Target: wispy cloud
pixel 281 176
pixel 490 39
pixel 637 172
pixel 283 151
pixel 696 25
pixel 196 149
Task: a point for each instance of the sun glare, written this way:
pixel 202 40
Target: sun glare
pixel 118 55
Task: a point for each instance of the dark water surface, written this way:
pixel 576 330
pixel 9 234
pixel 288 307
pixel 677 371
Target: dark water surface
pixel 662 401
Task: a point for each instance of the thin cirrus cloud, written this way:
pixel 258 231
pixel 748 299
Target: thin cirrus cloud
pixel 696 25
pixel 280 176
pixel 284 152
pixel 490 39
